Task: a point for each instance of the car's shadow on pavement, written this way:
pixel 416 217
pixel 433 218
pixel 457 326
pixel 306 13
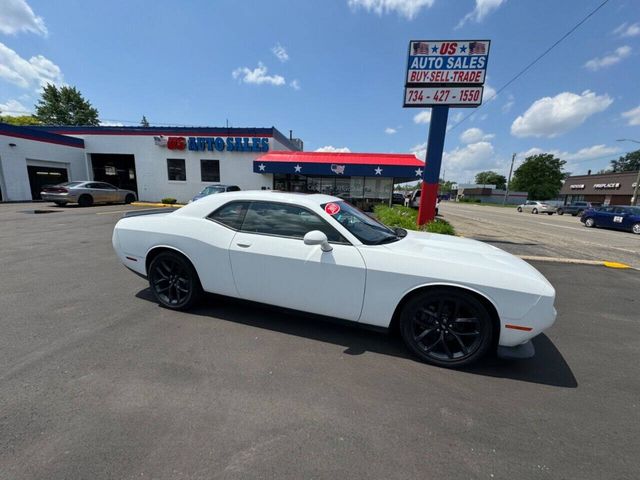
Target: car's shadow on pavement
pixel 548 367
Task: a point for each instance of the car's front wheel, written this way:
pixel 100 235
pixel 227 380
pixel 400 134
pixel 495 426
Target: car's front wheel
pixel 560 211
pixel 590 222
pixel 130 198
pixel 519 209
pixel 446 327
pixel 636 228
pixel 173 281
pixel 535 210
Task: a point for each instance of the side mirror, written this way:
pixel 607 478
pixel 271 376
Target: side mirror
pixel 316 237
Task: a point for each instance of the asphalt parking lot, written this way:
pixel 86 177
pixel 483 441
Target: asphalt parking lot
pixel 97 381
pixel 560 236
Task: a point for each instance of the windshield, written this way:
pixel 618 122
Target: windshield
pixel 210 190
pixel 366 229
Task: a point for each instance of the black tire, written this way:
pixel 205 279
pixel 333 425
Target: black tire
pixel 60 204
pixel 130 198
pixel 535 210
pixel 574 214
pixel 549 213
pixel 589 222
pixel 519 209
pixel 85 200
pixel 636 228
pixel 560 211
pixel 174 282
pixel 446 327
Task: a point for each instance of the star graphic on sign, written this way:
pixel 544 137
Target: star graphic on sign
pixel 419 172
pixel 378 171
pixel 463 49
pixel 297 168
pixel 262 166
pixel 434 49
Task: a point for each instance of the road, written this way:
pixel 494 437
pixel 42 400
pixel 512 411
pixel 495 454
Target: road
pixel 541 235
pixel 97 381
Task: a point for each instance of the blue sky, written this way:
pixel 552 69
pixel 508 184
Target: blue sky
pixel 333 70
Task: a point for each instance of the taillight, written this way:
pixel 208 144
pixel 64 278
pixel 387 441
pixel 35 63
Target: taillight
pixel 56 190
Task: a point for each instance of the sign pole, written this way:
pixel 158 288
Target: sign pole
pixel 433 161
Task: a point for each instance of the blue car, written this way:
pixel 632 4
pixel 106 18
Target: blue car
pixel 621 218
pixel 212 189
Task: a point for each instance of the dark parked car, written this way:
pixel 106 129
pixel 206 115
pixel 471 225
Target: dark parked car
pixel 576 208
pixel 397 199
pixel 621 218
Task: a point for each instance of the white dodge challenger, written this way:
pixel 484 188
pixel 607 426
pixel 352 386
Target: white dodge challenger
pixel 452 299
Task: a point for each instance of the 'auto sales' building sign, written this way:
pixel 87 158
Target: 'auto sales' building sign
pixel 211 144
pixel 446 73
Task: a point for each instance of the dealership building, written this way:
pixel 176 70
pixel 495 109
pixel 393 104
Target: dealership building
pixel 178 162
pixel 605 189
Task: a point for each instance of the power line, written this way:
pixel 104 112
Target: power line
pixel 532 63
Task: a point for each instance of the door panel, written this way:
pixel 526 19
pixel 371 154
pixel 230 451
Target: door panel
pixel 286 272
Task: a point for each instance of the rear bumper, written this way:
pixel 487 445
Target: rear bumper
pixel 58 197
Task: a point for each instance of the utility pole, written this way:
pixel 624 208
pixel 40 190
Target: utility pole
pixel 506 191
pixel 634 198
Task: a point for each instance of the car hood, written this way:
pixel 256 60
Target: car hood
pixel 475 262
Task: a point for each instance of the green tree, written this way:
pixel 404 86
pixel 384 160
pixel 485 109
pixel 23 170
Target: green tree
pixel 65 106
pixel 491 178
pixel 445 187
pixel 144 122
pixel 541 175
pixel 630 162
pixel 23 120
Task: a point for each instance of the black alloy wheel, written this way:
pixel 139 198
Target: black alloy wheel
pixel 130 198
pixel 446 327
pixel 173 281
pixel 85 200
pixel 560 211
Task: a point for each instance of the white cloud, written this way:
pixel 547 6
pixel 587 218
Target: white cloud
pixel 257 76
pixel 588 153
pixel 474 155
pixel 475 135
pixel 17 16
pixel 407 8
pixel 610 59
pixel 422 117
pixel 13 108
pixel 295 84
pixel 280 52
pixel 332 149
pixel 390 130
pixel 552 116
pixel 32 73
pixel 626 30
pixel 110 123
pixel 507 106
pixel 489 93
pixel 632 116
pixel 481 10
pixel 419 150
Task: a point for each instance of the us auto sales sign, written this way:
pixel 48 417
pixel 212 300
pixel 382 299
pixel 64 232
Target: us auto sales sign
pixel 446 72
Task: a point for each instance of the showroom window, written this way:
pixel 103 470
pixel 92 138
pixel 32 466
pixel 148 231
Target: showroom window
pixel 177 170
pixel 210 170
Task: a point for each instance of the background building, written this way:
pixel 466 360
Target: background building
pixel 488 194
pixel 606 188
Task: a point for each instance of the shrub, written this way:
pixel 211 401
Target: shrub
pixel 406 218
pixel 168 201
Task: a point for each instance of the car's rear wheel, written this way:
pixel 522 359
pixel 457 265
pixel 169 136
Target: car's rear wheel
pixel 85 200
pixel 446 327
pixel 636 228
pixel 560 211
pixel 519 209
pixel 590 222
pixel 130 198
pixel 173 281
pixel 535 210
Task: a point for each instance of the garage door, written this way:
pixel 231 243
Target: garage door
pixel 42 176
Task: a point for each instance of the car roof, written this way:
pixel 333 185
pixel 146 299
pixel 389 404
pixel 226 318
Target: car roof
pixel 206 205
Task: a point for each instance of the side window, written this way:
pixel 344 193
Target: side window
pixel 106 186
pixel 286 221
pixel 176 169
pixel 231 214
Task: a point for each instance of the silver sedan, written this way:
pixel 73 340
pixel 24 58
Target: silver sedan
pixel 537 207
pixel 86 194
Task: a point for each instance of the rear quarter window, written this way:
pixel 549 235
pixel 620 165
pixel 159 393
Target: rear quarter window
pixel 230 215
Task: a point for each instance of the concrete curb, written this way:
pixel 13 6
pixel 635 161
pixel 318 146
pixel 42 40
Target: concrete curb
pixel 151 204
pixel 576 261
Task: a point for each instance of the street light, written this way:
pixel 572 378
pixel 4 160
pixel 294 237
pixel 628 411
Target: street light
pixel 634 198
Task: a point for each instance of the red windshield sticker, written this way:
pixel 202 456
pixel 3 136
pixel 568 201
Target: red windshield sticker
pixel 332 208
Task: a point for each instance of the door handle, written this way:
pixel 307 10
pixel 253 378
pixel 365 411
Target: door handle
pixel 243 245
